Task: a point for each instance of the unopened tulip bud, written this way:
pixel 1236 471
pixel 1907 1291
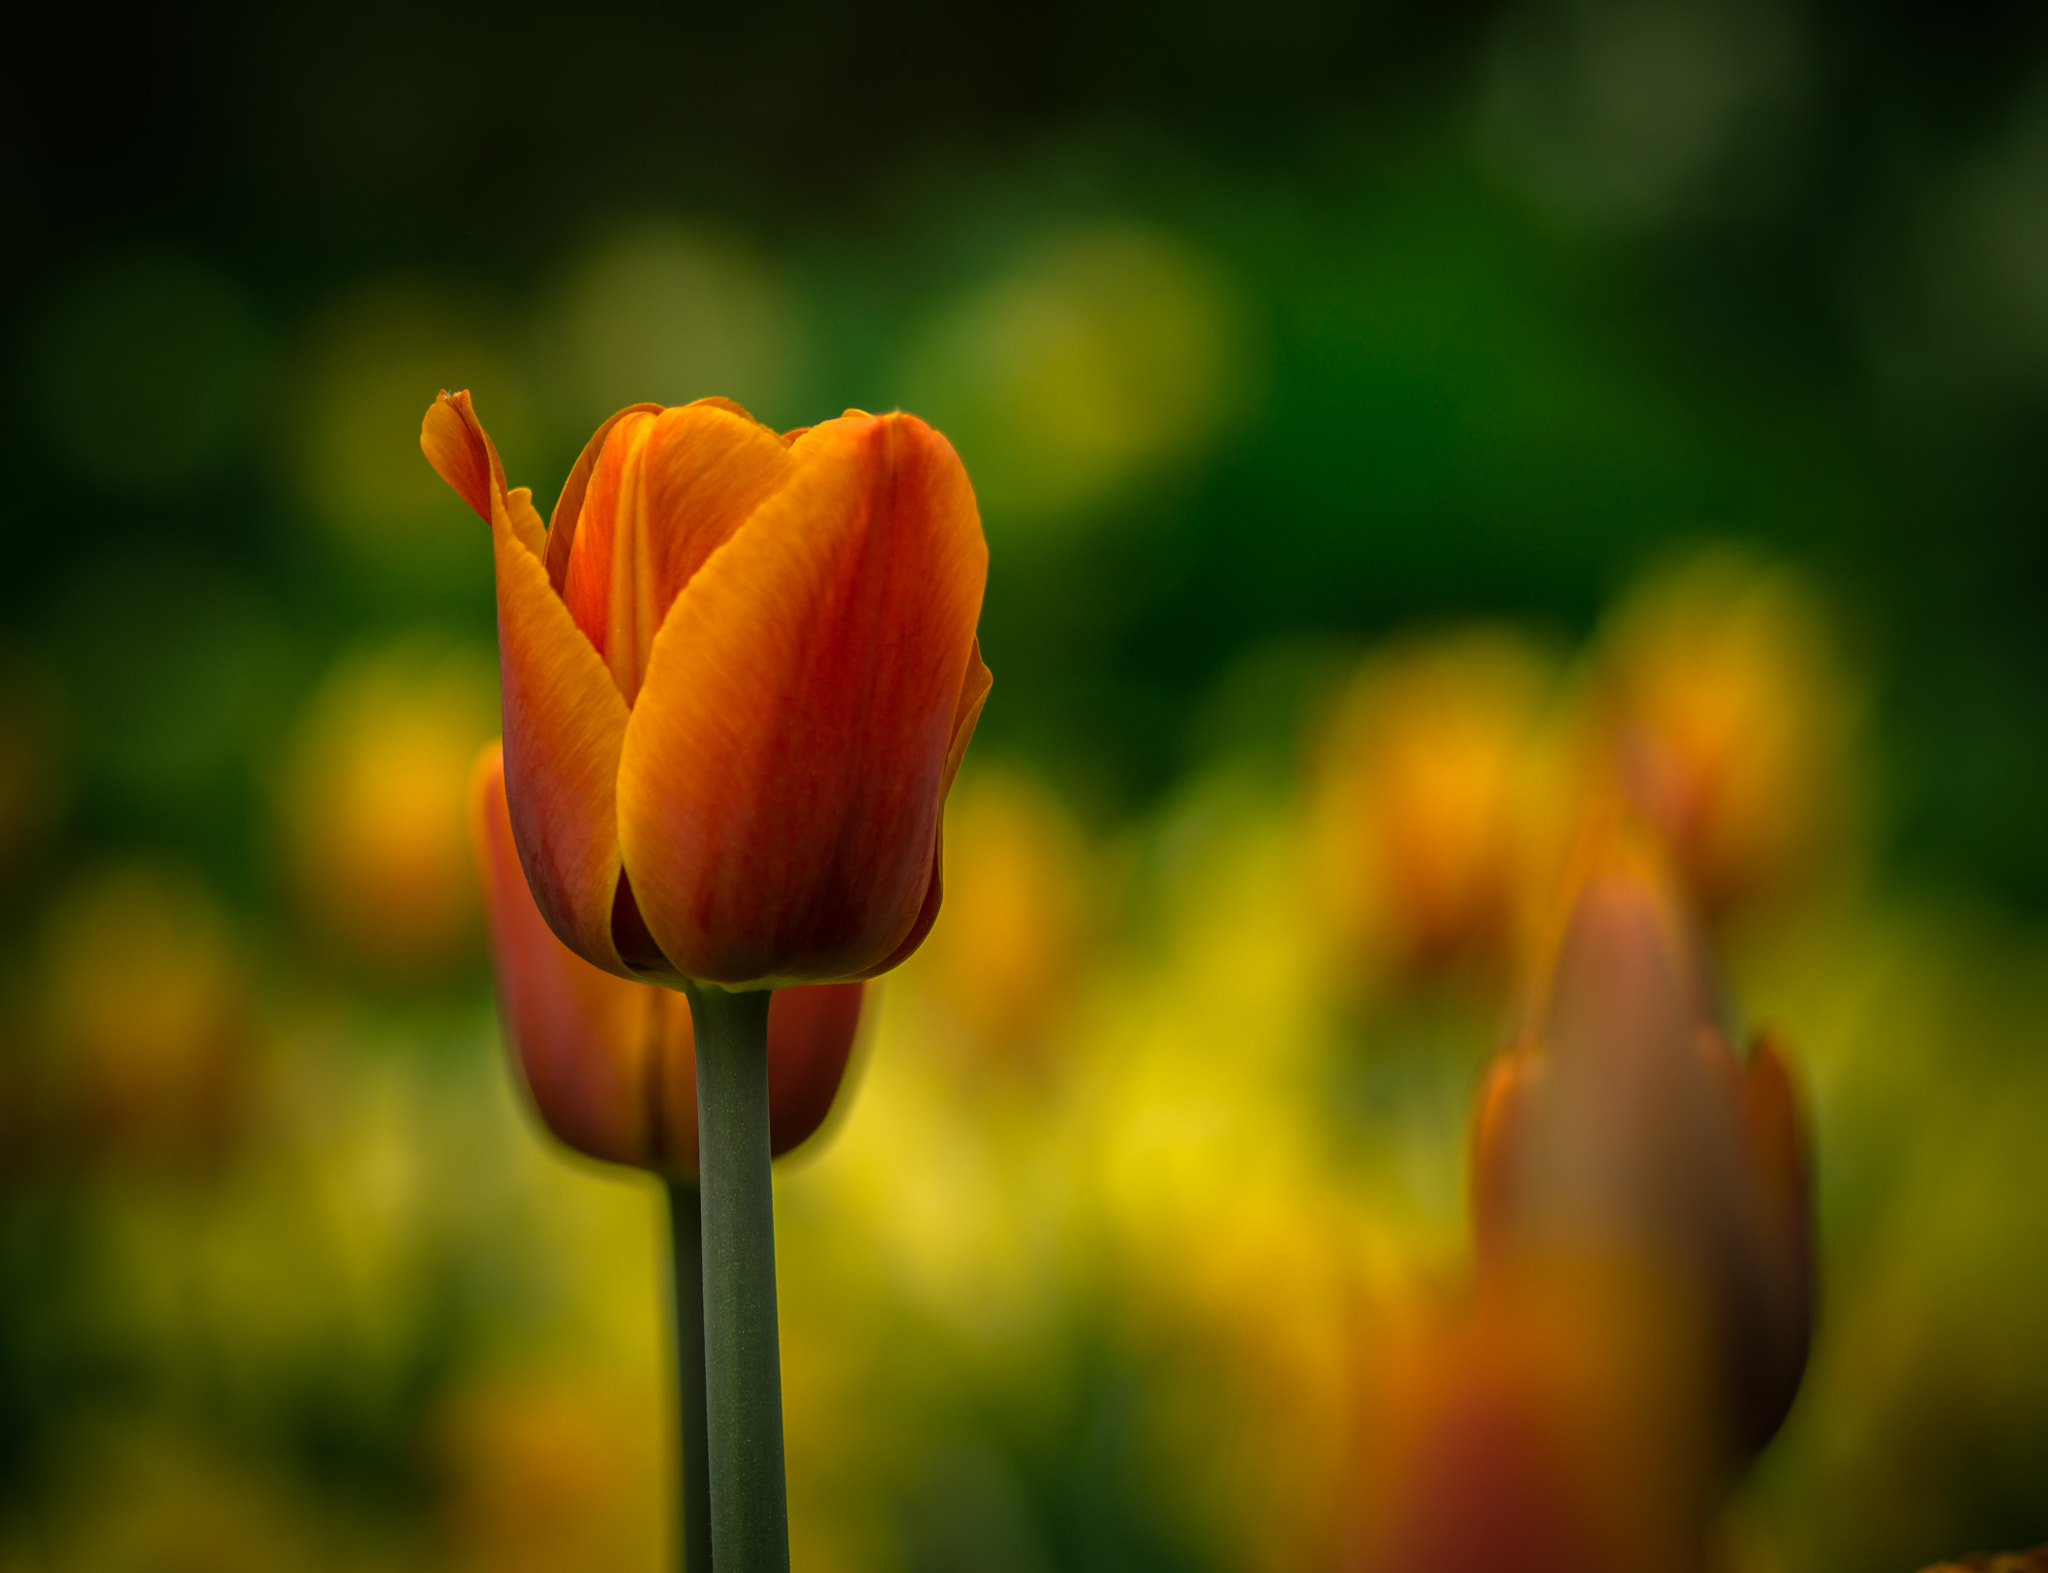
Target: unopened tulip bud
pixel 609 1064
pixel 1623 1123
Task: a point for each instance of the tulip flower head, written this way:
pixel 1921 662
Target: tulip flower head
pixel 740 671
pixel 610 1065
pixel 1624 1124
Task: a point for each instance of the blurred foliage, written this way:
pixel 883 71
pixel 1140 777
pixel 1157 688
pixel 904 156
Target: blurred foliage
pixel 1401 430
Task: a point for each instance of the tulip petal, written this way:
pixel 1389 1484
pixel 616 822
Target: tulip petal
pixel 565 724
pixel 973 694
pixel 464 456
pixel 811 1032
pixel 569 505
pixel 564 720
pixel 780 789
pixel 1501 1115
pixel 664 493
pixel 606 1062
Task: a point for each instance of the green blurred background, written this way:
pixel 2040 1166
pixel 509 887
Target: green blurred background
pixel 1267 335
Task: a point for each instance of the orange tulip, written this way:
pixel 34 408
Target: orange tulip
pixel 611 1065
pixel 1549 1426
pixel 740 671
pixel 1624 1124
pixel 2035 1561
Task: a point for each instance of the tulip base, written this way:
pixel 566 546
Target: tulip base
pixel 742 1356
pixel 686 1233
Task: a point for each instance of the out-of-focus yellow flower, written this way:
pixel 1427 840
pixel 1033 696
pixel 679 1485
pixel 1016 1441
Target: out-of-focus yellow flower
pixel 183 1502
pixel 375 821
pixel 147 1017
pixel 1002 960
pixel 660 309
pixel 548 1470
pixel 1725 724
pixel 1623 1124
pixel 1106 354
pixel 1431 798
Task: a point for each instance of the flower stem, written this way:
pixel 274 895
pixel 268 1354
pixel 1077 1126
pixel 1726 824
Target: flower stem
pixel 742 1361
pixel 686 1228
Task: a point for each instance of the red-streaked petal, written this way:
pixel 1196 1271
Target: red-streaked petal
pixel 565 724
pixel 1499 1122
pixel 973 695
pixel 811 1033
pixel 569 505
pixel 595 1052
pixel 781 784
pixel 666 492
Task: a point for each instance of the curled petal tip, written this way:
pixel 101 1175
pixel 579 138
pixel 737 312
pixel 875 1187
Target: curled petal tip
pixel 455 445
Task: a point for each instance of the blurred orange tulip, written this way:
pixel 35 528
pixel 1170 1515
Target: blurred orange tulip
pixel 154 1056
pixel 1724 720
pixel 1623 1124
pixel 610 1064
pixel 1549 1427
pixel 1429 801
pixel 740 671
pixel 2035 1561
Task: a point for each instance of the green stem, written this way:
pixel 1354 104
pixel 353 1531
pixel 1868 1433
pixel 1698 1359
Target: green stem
pixel 686 1228
pixel 742 1360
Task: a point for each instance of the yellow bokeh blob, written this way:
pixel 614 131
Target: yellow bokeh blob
pixel 376 830
pixel 1104 355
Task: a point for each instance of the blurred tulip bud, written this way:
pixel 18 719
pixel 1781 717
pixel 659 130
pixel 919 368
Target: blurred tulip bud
pixel 611 1064
pixel 1429 801
pixel 1622 1122
pixel 1726 724
pixel 375 829
pixel 148 1018
pixel 1002 959
pixel 1550 1427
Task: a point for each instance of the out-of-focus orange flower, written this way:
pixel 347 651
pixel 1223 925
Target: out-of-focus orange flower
pixel 1725 724
pixel 1622 1123
pixel 549 1470
pixel 148 1018
pixel 611 1064
pixel 1429 801
pixel 1550 1426
pixel 375 827
pixel 740 671
pixel 1002 961
pixel 2035 1561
